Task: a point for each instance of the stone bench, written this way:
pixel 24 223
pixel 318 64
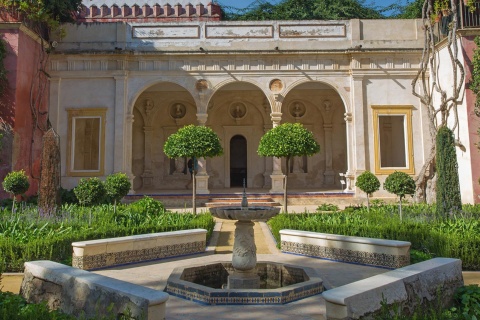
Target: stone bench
pixel 368 251
pixel 94 254
pixel 420 285
pixel 82 293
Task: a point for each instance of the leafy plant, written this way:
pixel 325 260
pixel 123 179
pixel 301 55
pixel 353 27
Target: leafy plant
pixel 468 301
pixel 328 207
pixel 193 142
pixel 148 206
pixel 400 184
pixel 117 186
pixel 448 185
pixel 90 192
pixel 16 182
pixel 288 140
pixel 368 183
pixel 3 70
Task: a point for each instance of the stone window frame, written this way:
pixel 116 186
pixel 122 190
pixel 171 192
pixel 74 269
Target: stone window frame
pixel 74 113
pixel 394 110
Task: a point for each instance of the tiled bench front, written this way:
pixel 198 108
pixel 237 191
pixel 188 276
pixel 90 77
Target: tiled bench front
pixel 425 285
pixel 368 251
pixel 88 295
pixel 94 254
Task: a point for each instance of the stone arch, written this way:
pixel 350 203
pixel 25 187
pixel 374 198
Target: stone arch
pixel 320 108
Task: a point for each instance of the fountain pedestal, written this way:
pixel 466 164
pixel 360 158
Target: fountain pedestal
pixel 244 257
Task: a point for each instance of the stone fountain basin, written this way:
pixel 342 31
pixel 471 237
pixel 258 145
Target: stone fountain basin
pixel 279 284
pixel 244 214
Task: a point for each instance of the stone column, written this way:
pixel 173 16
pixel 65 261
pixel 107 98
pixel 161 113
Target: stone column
pixel 119 161
pixel 327 112
pixel 128 148
pixel 202 175
pixel 359 142
pixel 147 176
pixel 277 174
pixel 268 165
pixel 350 174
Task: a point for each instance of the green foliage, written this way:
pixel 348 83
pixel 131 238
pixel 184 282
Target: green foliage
pixel 400 184
pixel 90 191
pixel 68 196
pixel 32 236
pixel 117 186
pixel 454 238
pixel 368 183
pixel 193 141
pixel 412 10
pixel 3 72
pixel 448 185
pixel 474 84
pixel 304 10
pixel 468 301
pixel 288 140
pixel 16 182
pixel 328 207
pixel 148 206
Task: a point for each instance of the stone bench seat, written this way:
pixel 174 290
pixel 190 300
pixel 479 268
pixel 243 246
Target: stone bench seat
pixel 94 254
pixel 418 285
pixel 85 294
pixel 368 251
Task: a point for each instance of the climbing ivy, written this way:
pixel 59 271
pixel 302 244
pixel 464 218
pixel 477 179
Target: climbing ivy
pixel 475 82
pixel 3 70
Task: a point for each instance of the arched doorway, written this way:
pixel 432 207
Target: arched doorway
pixel 238 161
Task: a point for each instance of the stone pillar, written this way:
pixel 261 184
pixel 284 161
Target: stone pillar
pixel 359 144
pixel 277 174
pixel 244 258
pixel 119 160
pixel 55 91
pixel 128 148
pixel 350 174
pixel 202 175
pixel 147 176
pixel 327 113
pixel 268 166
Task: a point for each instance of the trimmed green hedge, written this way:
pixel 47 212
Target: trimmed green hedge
pixel 27 238
pixel 458 237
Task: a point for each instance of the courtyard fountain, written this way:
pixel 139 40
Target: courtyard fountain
pixel 244 280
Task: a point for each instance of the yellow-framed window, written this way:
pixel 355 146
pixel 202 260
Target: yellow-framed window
pixel 86 142
pixel 393 139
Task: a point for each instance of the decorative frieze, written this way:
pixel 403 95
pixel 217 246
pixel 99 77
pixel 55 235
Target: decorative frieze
pixel 239 31
pixel 312 31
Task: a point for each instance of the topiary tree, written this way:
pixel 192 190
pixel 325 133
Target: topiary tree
pixel 193 142
pixel 368 183
pixel 16 182
pixel 448 185
pixel 117 186
pixel 286 141
pixel 90 192
pixel 400 184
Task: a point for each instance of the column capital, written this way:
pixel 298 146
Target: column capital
pixel 202 118
pixel 276 118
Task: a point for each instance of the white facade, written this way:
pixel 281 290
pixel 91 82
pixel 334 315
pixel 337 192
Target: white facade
pixel 339 78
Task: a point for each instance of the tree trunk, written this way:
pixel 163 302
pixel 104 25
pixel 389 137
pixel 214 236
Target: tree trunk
pixel 194 193
pixel 368 203
pixel 49 191
pixel 285 204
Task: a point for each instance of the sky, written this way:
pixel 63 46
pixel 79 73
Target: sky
pixel 245 3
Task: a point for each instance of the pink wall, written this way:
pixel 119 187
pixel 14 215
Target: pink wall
pixel 473 121
pixel 22 64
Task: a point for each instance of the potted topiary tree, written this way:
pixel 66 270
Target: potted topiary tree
pixel 368 183
pixel 193 142
pixel 400 184
pixel 16 182
pixel 117 186
pixel 288 140
pixel 90 192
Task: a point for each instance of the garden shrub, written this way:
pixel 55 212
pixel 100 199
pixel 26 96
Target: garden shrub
pixel 68 196
pixel 117 186
pixel 328 207
pixel 90 191
pixel 148 206
pixel 368 183
pixel 31 237
pixel 400 184
pixel 455 238
pixel 16 182
pixel 448 185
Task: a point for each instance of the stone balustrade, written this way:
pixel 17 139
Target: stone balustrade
pixel 88 295
pixel 368 251
pixel 426 284
pixel 95 254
